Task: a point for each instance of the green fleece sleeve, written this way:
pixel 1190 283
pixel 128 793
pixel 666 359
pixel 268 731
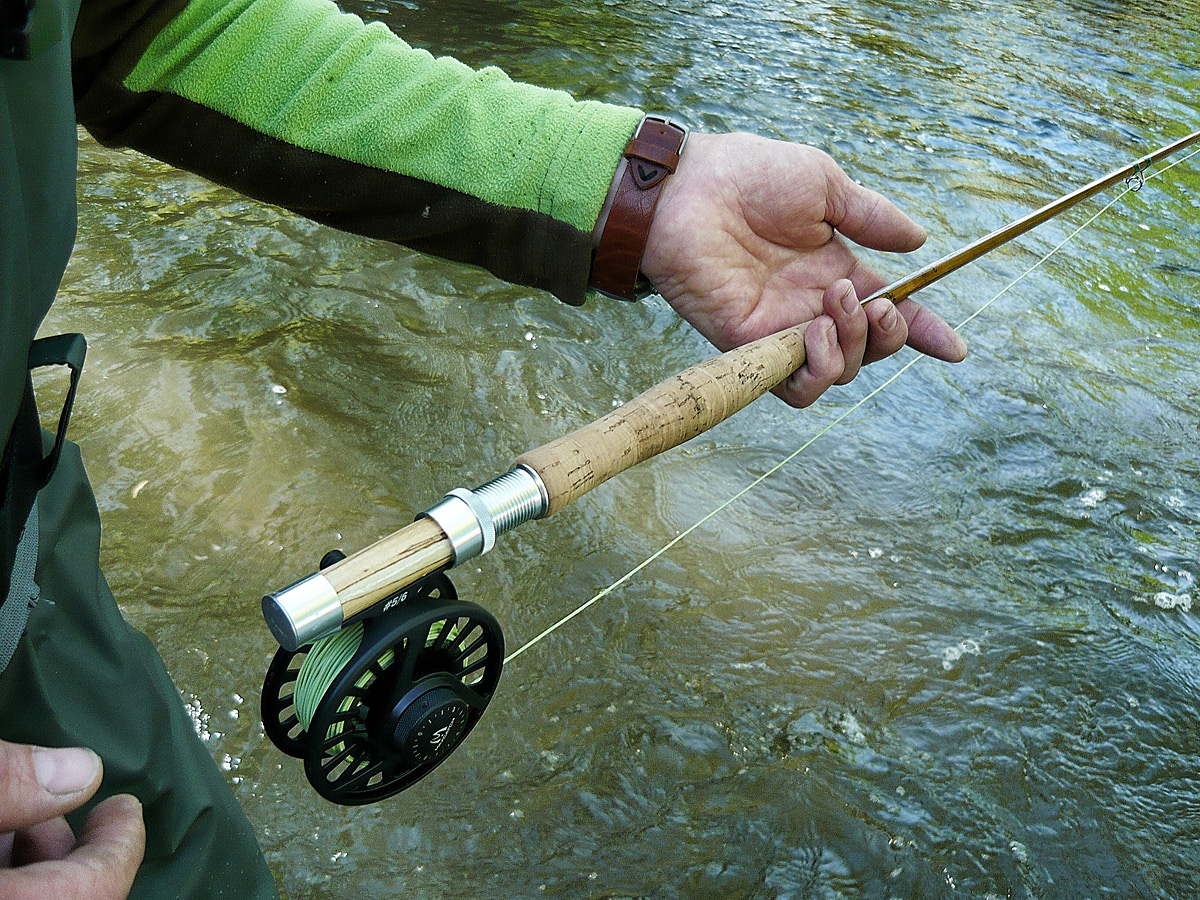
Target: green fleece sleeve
pixel 300 104
pixel 305 73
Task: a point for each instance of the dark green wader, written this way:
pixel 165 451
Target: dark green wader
pixel 80 674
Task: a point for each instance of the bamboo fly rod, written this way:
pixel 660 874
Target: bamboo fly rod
pixel 546 479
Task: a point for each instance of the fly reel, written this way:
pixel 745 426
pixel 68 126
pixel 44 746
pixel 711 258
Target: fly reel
pixel 380 704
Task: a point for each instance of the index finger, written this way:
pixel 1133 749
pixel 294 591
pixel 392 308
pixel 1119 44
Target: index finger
pixel 102 866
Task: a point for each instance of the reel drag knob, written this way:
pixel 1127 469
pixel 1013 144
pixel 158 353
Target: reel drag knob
pixel 430 725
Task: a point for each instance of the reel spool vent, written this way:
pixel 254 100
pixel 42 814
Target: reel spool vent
pixel 378 706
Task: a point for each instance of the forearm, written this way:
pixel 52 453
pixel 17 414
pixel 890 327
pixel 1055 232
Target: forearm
pixel 298 104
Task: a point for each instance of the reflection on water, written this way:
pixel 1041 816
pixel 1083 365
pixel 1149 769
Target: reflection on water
pixel 949 650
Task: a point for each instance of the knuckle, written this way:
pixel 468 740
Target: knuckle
pixel 801 393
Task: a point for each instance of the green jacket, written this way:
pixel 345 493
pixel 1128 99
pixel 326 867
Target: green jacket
pixel 297 104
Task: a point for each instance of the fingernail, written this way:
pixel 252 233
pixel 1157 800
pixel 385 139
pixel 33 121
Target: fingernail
pixel 849 302
pixel 889 317
pixel 65 771
pixel 129 801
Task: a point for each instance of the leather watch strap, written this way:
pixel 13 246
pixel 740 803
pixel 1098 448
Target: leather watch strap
pixel 650 156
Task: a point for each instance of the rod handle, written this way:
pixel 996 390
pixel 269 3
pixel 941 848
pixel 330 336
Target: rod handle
pixel 665 416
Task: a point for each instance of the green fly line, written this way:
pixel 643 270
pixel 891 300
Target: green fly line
pixel 1130 187
pixel 325 661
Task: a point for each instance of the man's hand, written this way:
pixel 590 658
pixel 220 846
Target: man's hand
pixel 40 857
pixel 750 237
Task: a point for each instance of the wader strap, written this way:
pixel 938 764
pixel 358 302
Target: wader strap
pixel 61 350
pixel 24 471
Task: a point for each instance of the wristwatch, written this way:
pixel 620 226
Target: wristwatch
pixel 651 155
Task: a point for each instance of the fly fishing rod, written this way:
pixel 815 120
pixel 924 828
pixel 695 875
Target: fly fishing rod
pixel 382 671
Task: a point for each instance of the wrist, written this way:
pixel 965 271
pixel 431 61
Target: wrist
pixel 623 226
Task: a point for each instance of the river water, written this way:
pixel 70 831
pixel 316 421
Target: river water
pixel 950 650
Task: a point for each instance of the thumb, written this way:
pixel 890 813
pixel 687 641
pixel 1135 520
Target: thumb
pixel 40 783
pixel 867 217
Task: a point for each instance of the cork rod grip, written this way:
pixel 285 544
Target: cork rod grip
pixel 667 415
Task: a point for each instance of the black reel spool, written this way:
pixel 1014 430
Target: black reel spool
pixel 417 683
